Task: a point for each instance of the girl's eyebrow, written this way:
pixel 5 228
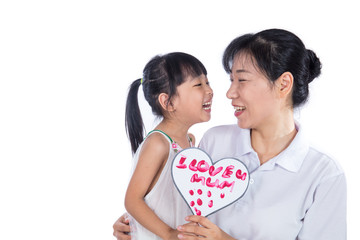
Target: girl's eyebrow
pixel 195 78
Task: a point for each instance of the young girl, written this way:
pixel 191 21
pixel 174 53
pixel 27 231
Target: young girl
pixel 177 89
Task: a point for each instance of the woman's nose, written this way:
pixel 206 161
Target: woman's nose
pixel 231 93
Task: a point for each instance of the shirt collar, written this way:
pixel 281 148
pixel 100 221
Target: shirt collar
pixel 293 156
pixel 244 146
pixel 290 159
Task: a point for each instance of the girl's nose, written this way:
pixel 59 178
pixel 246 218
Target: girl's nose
pixel 209 90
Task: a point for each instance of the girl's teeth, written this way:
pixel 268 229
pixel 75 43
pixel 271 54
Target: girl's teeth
pixel 207 105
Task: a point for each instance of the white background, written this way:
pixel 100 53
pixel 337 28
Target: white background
pixel 65 67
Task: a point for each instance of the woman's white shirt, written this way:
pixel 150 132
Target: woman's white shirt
pixel 299 194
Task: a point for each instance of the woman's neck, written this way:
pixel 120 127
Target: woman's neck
pixel 273 137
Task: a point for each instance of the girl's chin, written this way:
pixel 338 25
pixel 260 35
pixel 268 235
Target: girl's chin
pixel 207 119
pixel 203 119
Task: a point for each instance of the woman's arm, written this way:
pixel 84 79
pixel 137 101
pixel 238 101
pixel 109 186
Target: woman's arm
pixel 326 218
pixel 152 159
pixel 200 228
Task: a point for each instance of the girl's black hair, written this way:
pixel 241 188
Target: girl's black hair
pixel 162 74
pixel 277 51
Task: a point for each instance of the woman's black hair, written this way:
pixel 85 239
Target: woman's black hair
pixel 277 51
pixel 162 74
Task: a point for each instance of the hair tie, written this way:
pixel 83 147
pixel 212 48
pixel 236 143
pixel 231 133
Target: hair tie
pixel 141 81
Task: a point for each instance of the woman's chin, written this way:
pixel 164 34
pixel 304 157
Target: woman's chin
pixel 243 125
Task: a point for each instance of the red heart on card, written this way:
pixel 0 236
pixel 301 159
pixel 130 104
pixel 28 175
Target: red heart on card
pixel 207 187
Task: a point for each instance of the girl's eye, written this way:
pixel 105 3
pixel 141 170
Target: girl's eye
pixel 200 84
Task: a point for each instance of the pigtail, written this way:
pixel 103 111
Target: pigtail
pixel 133 121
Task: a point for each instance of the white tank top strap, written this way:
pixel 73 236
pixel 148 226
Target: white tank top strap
pixel 174 144
pixel 190 141
pixel 159 131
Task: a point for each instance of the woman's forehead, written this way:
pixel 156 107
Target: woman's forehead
pixel 243 62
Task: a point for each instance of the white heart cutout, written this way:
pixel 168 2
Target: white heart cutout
pixel 208 187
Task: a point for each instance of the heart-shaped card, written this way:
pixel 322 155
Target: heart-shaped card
pixel 207 187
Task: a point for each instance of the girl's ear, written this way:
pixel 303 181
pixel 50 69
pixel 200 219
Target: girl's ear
pixel 165 103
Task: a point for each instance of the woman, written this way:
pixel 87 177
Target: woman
pixel 296 192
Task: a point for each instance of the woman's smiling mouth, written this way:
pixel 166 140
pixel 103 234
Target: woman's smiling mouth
pixel 239 110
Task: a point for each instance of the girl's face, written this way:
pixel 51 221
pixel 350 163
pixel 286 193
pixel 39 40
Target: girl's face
pixel 252 94
pixel 193 101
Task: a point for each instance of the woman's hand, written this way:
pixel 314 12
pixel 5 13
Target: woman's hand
pixel 121 228
pixel 200 228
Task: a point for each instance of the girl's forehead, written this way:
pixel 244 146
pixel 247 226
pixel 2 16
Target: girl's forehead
pixel 194 78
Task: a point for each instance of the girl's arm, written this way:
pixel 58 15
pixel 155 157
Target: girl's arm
pixel 153 157
pixel 121 228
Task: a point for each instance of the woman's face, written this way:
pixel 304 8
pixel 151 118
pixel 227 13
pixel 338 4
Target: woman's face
pixel 252 94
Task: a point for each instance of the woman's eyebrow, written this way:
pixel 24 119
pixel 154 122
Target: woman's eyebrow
pixel 240 71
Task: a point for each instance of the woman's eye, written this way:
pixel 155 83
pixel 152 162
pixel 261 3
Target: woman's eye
pixel 239 80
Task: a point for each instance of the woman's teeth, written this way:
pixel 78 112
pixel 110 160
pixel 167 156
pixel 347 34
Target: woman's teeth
pixel 207 105
pixel 238 108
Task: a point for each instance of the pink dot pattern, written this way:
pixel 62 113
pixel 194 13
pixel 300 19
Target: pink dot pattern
pixel 200 198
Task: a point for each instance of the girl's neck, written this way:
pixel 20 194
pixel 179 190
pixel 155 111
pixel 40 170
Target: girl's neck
pixel 176 131
pixel 272 138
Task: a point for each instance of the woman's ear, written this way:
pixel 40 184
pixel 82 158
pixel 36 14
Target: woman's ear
pixel 165 103
pixel 285 84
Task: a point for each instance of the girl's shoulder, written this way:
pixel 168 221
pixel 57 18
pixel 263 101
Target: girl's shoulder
pixel 156 142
